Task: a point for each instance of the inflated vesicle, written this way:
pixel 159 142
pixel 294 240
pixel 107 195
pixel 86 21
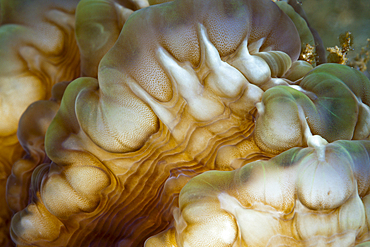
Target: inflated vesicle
pixel 359 85
pixel 330 101
pixel 98 25
pixel 305 33
pixel 166 99
pixel 39 44
pixel 304 196
pixel 31 135
pixel 320 49
pixel 37 50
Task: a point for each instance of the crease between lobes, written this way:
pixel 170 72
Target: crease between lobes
pixel 123 145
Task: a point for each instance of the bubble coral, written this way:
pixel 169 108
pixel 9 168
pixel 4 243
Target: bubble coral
pixel 311 196
pixel 188 86
pixel 38 49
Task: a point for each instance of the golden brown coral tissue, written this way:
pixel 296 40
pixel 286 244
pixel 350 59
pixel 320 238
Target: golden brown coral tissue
pixel 37 50
pixel 189 86
pixel 286 201
pixel 135 128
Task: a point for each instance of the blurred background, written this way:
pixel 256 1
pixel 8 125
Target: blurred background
pixel 334 17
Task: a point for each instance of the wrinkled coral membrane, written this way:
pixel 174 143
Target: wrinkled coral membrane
pixel 184 88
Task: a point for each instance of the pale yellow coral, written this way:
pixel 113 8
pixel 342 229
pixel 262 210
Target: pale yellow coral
pixel 166 98
pixel 303 197
pixel 186 87
pixel 37 49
